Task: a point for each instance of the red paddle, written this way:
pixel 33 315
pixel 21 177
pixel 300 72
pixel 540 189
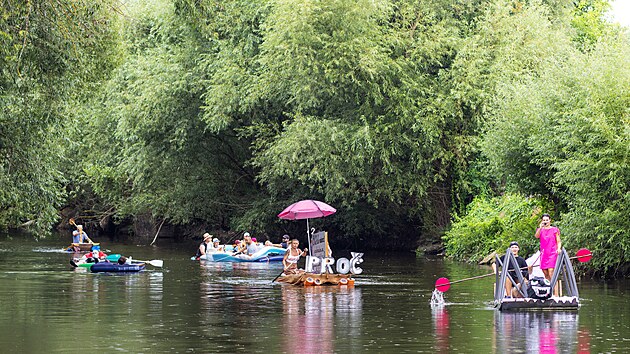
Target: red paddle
pixel 443 284
pixel 583 255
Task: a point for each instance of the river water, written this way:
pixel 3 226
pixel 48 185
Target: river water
pixel 190 306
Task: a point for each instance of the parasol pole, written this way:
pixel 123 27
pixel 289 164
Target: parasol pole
pixel 308 234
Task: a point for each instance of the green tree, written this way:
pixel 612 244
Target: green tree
pixel 572 122
pixel 50 52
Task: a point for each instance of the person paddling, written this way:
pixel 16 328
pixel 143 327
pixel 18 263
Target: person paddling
pixel 79 236
pixel 292 256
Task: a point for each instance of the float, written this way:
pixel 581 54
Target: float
pixel 319 263
pixel 80 247
pixel 534 295
pixel 265 254
pixel 538 295
pixel 108 267
pixel 322 269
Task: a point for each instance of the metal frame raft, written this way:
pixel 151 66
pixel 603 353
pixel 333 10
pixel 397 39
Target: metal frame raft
pixel 563 271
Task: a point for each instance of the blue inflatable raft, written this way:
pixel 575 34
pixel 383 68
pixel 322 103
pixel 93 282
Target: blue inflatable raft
pixel 265 254
pixel 107 267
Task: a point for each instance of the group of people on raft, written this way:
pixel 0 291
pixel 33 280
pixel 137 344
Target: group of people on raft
pixel 249 245
pixel 550 247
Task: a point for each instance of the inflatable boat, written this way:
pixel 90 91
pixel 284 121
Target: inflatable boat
pixel 107 267
pixel 265 254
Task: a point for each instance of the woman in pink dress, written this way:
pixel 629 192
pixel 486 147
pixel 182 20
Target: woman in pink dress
pixel 550 246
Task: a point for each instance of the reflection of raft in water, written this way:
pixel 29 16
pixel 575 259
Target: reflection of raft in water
pixel 311 279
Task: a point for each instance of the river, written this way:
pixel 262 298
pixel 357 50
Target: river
pixel 190 306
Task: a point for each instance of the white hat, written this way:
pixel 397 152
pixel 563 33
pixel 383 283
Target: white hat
pixel 246 234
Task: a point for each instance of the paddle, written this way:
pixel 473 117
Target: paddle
pixel 71 222
pixel 155 262
pixel 443 284
pixel 278 276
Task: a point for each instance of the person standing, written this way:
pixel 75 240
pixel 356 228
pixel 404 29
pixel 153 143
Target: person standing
pixel 550 246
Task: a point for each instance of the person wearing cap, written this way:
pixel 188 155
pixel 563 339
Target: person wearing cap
pixel 239 247
pixel 204 246
pixel 285 241
pixel 522 264
pixel 216 245
pixel 252 246
pixel 79 236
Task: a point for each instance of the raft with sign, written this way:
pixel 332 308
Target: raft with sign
pixel 322 269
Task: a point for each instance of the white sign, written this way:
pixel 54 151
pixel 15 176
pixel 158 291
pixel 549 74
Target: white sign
pixel 343 265
pixel 319 249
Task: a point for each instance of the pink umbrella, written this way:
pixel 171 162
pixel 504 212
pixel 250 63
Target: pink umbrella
pixel 307 209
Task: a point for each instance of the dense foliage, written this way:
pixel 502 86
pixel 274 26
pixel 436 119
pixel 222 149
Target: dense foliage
pixel 398 113
pixel 50 53
pixel 490 224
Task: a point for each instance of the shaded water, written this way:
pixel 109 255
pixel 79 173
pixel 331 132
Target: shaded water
pixel 188 306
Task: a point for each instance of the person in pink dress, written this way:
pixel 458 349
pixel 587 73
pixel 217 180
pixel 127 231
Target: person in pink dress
pixel 550 246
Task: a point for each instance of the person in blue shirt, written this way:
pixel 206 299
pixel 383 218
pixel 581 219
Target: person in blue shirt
pixel 252 247
pixel 79 236
pixel 285 241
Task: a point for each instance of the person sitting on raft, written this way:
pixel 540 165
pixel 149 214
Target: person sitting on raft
pixel 291 258
pixel 95 256
pixel 238 247
pixel 216 245
pixel 204 246
pixel 522 264
pixel 79 236
pixel 252 246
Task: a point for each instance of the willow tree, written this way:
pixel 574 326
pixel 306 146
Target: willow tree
pixel 573 125
pixel 341 100
pixel 50 53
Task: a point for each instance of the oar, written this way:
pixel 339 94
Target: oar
pixel 155 262
pixel 443 284
pixel 71 222
pixel 278 276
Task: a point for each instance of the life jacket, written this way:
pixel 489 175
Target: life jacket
pixel 539 288
pixel 198 254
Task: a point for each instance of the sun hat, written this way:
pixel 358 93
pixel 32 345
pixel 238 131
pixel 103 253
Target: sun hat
pixel 215 240
pixel 206 236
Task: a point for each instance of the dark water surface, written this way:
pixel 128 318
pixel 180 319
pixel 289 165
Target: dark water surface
pixel 187 306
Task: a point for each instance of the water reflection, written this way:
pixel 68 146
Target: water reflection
pixel 313 315
pixel 537 332
pixel 441 327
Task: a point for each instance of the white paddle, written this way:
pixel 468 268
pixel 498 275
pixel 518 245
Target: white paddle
pixel 155 262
